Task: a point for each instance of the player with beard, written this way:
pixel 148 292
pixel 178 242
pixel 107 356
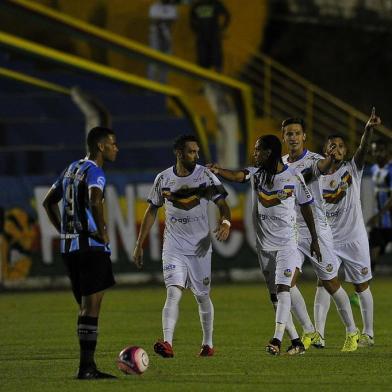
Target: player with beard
pixel 185 190
pixel 276 189
pixel 342 194
pixel 312 166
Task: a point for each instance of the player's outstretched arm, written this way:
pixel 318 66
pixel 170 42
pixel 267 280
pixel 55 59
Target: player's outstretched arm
pixel 360 154
pixel 229 175
pixel 50 203
pixel 223 230
pixel 307 213
pixel 325 164
pixel 147 222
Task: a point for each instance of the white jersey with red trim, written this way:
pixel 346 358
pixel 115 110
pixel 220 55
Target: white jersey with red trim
pixel 306 164
pixel 274 207
pixel 342 196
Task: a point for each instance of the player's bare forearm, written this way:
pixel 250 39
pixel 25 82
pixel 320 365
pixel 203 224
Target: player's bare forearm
pixel 224 210
pixel 96 204
pixel 229 175
pixel 50 204
pixel 223 230
pixel 360 154
pixel 325 164
pixel 147 222
pixel 307 213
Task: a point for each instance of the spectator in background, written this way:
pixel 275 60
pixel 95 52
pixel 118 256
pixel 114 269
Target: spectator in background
pixel 381 223
pixel 209 18
pixel 162 14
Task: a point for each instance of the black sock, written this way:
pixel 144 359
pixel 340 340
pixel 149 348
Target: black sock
pixel 87 333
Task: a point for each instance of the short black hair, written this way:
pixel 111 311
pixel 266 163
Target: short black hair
pixel 96 135
pixel 294 120
pixel 336 136
pixel 179 143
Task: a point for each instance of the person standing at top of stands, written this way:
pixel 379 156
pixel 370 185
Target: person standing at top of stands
pixel 381 222
pixel 209 18
pixel 162 14
pixel 84 240
pixel 185 190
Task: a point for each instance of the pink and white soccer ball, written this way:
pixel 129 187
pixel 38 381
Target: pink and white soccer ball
pixel 133 360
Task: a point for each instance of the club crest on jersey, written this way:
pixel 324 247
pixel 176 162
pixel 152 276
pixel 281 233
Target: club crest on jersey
pixel 364 271
pixel 333 196
pixel 287 273
pixel 206 281
pixel 329 268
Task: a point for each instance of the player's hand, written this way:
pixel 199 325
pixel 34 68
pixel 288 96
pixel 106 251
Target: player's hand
pixel 315 250
pixel 214 167
pixel 372 222
pixel 138 256
pixel 374 120
pixel 331 150
pixel 222 232
pixel 203 246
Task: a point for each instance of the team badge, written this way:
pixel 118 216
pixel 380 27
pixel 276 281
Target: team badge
pixel 329 268
pixel 364 271
pixel 282 195
pixel 206 281
pixel 287 273
pixel 332 184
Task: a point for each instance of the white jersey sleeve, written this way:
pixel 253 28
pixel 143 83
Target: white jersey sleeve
pixel 249 172
pixel 216 189
pixel 155 196
pixel 303 193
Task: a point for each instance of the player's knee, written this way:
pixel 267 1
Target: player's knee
pixel 282 287
pixel 331 285
pixel 174 293
pixel 360 287
pixel 202 299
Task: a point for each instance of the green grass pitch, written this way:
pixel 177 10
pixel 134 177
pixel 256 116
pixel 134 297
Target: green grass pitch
pixel 39 349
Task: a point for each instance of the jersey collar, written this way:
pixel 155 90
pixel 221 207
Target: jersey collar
pixel 300 157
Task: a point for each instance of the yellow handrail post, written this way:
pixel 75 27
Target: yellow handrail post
pixel 267 87
pixel 309 112
pixel 351 131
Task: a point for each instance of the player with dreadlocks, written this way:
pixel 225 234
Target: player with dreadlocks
pixel 276 189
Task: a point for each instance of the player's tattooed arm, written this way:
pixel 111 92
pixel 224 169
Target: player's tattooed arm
pixel 50 204
pixel 360 154
pixel 307 213
pixel 223 230
pixel 147 222
pixel 229 175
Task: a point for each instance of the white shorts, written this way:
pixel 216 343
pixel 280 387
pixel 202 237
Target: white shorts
pixel 355 259
pixel 279 263
pixel 328 268
pixel 188 272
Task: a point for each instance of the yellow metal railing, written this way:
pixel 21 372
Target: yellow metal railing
pixel 279 92
pixel 108 72
pixel 131 46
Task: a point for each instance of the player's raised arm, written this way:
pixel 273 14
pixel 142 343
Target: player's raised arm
pixel 147 222
pixel 360 154
pixel 229 175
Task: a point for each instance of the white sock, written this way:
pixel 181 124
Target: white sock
pixel 206 313
pixel 298 307
pixel 343 306
pixel 170 312
pixel 290 327
pixel 366 303
pixel 282 314
pixel 322 302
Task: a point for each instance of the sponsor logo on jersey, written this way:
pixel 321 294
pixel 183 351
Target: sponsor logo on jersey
pixel 168 267
pixel 101 181
pixel 186 219
pixel 287 273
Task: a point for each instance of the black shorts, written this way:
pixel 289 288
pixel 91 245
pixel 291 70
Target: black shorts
pixel 89 272
pixel 379 238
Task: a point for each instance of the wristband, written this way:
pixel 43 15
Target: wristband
pixel 226 222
